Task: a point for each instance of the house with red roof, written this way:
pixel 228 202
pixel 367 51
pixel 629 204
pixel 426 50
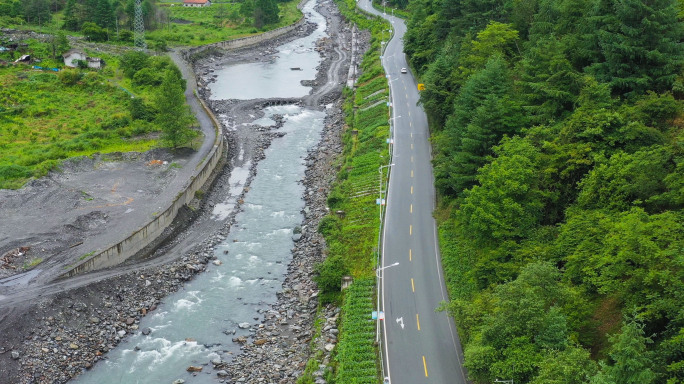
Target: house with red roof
pixel 196 3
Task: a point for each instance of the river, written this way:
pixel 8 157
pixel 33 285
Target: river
pixel 196 324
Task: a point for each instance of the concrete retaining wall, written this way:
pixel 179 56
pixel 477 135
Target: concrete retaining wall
pixel 138 240
pixel 246 41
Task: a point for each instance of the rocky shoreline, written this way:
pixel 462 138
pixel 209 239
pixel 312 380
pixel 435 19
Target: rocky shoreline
pixel 62 335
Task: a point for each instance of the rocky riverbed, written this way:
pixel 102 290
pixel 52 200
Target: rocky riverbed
pixel 57 337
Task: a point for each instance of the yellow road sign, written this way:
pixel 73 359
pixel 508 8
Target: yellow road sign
pixel 421 87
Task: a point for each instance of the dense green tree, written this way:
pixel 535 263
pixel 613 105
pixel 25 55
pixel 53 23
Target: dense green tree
pixel 572 365
pixel 526 322
pixel 628 179
pixel 484 111
pixel 173 115
pixel 93 32
pixel 629 357
pixel 507 203
pixel 441 86
pixel 36 11
pixel 642 49
pixel 593 181
pixel 133 61
pixel 71 22
pixel 104 14
pixel 550 84
pixel 265 12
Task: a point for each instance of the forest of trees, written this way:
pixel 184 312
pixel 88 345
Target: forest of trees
pixel 102 20
pixel 557 127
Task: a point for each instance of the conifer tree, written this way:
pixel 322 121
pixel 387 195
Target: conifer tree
pixel 71 22
pixel 642 50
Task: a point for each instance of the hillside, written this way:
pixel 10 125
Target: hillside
pixel 557 128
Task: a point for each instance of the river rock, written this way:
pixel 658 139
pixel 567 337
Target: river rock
pixel 194 368
pixel 15 355
pixel 146 331
pixel 222 373
pixel 244 325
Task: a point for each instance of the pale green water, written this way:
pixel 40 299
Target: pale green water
pixel 226 295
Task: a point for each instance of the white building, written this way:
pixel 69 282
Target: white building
pixel 73 56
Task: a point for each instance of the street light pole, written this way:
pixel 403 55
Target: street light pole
pixel 377 320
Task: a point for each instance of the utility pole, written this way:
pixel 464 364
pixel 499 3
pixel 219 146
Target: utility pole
pixel 139 25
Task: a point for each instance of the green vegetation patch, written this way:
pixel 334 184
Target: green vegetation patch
pixel 46 117
pixel 192 26
pixel 356 352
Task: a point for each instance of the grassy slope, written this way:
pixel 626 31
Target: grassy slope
pixel 44 121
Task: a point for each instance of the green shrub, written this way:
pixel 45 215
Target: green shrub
pixel 139 110
pixel 335 199
pixel 93 32
pixel 329 274
pixel 13 171
pixel 147 76
pixel 126 36
pixel 69 76
pixel 133 61
pixel 329 225
pixel 118 120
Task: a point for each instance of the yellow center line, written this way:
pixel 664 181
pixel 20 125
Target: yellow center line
pixel 411 145
pixel 412 169
pixel 413 287
pixel 412 159
pixel 425 366
pixel 410 229
pixel 410 255
pixel 417 318
pixel 412 189
pixel 411 125
pixel 411 208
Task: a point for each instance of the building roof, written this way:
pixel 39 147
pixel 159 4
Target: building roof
pixel 195 1
pixel 71 52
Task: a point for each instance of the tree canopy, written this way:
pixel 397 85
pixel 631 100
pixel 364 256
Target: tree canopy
pixel 557 127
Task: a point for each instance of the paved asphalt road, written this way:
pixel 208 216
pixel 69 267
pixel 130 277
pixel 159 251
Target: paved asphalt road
pixel 420 345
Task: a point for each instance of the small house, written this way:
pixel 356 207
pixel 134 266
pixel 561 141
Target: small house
pixel 196 3
pixel 73 56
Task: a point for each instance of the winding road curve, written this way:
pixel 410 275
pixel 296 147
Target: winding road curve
pixel 419 344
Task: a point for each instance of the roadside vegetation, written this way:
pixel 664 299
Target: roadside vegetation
pixel 166 23
pixel 351 231
pixel 48 116
pixel 557 128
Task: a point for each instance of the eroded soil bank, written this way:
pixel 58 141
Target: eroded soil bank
pixel 54 337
